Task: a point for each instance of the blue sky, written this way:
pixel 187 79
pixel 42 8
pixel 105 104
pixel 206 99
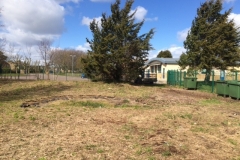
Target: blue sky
pixel 66 22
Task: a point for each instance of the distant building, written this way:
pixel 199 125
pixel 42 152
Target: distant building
pixel 160 66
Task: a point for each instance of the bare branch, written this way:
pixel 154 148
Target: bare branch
pixel 44 48
pixel 2 44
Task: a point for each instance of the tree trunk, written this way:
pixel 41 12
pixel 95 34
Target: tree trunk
pixel 207 76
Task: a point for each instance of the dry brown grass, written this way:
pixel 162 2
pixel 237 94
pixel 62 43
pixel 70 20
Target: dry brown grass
pixel 86 120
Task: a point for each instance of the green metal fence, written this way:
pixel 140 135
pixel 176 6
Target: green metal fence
pixel 176 78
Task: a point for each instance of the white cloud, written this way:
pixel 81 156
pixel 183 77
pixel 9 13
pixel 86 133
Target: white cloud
pixel 101 0
pixel 236 18
pixel 176 51
pixel 181 35
pixel 83 47
pixel 152 19
pixel 153 54
pixel 86 21
pixel 140 14
pixel 25 23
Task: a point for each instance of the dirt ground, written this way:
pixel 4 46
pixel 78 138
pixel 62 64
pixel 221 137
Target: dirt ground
pixel 46 120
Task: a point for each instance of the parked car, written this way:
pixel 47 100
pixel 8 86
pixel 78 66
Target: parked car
pixel 83 75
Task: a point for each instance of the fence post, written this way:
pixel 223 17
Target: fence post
pixel 236 74
pixel 168 77
pixel 180 78
pixel 66 74
pixel 177 80
pixel 212 81
pixel 176 77
pixel 43 72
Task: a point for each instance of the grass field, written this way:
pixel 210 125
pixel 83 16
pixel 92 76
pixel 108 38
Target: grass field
pixel 45 120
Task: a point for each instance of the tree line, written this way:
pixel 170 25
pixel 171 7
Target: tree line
pixel 52 59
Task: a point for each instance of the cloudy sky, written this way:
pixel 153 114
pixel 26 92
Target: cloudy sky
pixel 66 22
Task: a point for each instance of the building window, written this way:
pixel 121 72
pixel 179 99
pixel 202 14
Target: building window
pixel 156 69
pixel 152 69
pixel 159 68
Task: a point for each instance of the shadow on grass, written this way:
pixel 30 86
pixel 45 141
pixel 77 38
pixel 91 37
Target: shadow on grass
pixel 40 90
pixel 133 84
pixel 149 84
pixel 206 86
pixel 11 81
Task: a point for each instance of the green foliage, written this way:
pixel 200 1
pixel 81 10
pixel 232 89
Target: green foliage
pixel 183 61
pixel 199 129
pixel 210 102
pixel 2 59
pixel 164 54
pixel 117 52
pixel 90 147
pixel 59 149
pixel 6 70
pixel 191 72
pixel 232 141
pixel 32 118
pixel 186 116
pixel 2 56
pixel 213 40
pixel 90 104
pixel 166 153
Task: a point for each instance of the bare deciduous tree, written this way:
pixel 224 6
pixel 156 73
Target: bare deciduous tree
pixel 28 59
pixel 64 61
pixel 36 65
pixel 14 56
pixel 2 44
pixel 45 53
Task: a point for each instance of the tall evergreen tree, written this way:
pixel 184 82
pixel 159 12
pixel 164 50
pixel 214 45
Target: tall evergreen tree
pixel 2 59
pixel 213 40
pixel 164 54
pixel 117 52
pixel 183 61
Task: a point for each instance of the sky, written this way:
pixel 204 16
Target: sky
pixel 66 22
